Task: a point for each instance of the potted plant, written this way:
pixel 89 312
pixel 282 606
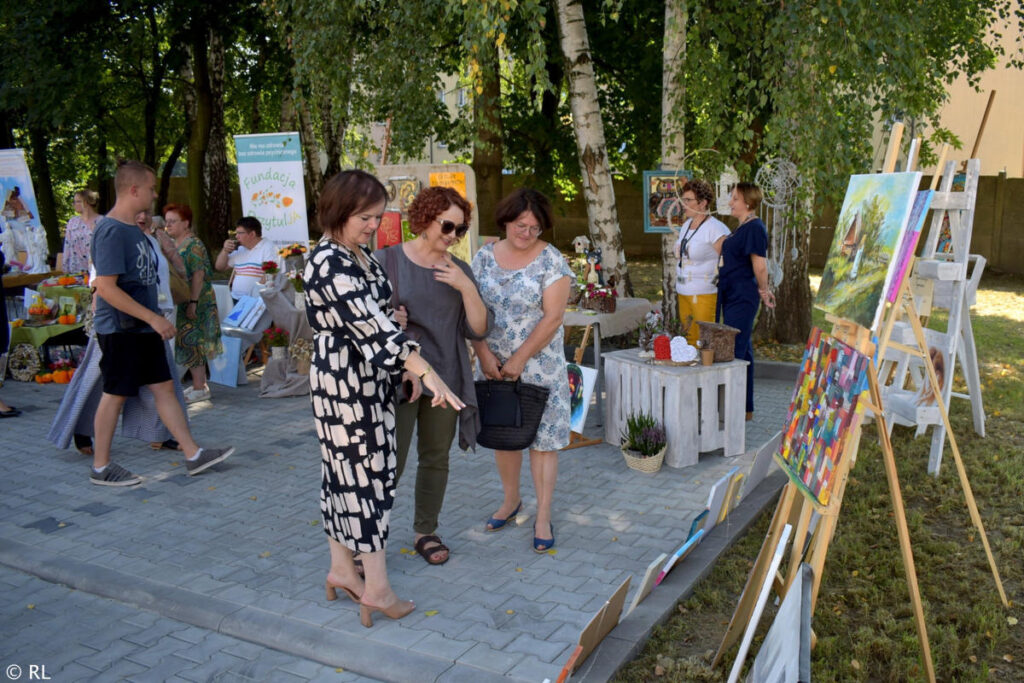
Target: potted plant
pixel 277 339
pixel 643 442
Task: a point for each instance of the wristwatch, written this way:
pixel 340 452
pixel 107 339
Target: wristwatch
pixel 193 301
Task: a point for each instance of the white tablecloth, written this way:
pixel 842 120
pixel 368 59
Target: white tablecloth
pixel 628 315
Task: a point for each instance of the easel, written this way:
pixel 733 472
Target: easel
pixel 944 277
pixel 577 440
pixel 796 509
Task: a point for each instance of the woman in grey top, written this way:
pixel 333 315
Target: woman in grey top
pixel 438 297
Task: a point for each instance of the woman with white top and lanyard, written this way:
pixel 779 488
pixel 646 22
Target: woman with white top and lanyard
pixel 697 251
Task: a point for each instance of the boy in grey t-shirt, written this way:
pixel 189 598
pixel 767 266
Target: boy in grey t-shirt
pixel 131 332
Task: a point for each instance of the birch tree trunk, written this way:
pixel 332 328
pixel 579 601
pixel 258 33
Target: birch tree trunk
pixel 311 153
pixel 673 137
pixel 590 144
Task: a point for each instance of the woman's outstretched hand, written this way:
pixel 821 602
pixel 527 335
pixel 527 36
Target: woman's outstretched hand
pixel 442 394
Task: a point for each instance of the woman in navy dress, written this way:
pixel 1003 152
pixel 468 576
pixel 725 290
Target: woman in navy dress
pixel 743 276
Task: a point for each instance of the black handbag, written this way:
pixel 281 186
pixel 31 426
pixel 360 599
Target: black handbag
pixel 510 413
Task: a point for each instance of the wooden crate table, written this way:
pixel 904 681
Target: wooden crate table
pixel 702 407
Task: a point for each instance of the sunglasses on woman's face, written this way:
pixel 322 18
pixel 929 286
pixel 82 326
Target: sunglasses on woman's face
pixel 447 227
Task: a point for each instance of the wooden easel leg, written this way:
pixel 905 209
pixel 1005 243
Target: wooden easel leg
pixel 741 616
pixel 901 523
pixel 972 505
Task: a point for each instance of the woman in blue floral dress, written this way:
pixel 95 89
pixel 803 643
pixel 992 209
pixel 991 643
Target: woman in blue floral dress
pixel 525 281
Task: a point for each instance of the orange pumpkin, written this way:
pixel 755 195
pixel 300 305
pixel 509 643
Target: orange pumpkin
pixel 61 376
pixel 44 378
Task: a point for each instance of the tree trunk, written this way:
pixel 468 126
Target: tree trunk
pixel 168 171
pixel 218 189
pixel 673 136
pixel 602 216
pixel 6 131
pixel 311 152
pixel 200 118
pixel 790 321
pixel 103 186
pixel 487 146
pixel 334 124
pixel 40 142
pixel 153 88
pixel 287 111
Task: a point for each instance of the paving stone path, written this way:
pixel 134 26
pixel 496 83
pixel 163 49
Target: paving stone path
pixel 220 576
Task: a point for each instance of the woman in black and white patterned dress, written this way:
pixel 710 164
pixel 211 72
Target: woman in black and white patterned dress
pixel 359 355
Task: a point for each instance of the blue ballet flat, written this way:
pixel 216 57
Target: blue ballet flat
pixel 542 545
pixel 494 523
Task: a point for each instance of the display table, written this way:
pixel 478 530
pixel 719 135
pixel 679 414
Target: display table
pixel 80 293
pixel 18 280
pixel 701 406
pixel 37 336
pixel 628 315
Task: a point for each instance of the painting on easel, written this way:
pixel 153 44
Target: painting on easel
pixel 862 258
pixel 824 412
pixel 909 243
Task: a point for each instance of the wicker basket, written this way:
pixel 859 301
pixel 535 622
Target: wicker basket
pixel 601 304
pixel 721 338
pixel 649 464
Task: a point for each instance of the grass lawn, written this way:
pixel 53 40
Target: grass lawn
pixel 863 619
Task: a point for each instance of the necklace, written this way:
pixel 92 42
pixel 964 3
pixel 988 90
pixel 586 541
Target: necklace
pixel 749 217
pixel 684 244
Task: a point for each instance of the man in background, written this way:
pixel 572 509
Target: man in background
pixel 246 253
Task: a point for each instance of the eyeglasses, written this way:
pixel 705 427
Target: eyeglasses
pixel 530 229
pixel 687 200
pixel 241 232
pixel 447 227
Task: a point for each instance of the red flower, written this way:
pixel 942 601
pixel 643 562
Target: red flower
pixel 269 267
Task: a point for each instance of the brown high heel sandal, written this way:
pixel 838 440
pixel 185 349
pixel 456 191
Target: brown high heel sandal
pixel 399 609
pixel 332 593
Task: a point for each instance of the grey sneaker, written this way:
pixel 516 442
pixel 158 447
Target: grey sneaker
pixel 208 457
pixel 114 475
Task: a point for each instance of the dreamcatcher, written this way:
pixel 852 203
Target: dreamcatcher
pixel 779 181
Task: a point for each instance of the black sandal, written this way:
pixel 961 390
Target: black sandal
pixel 83 442
pixel 428 553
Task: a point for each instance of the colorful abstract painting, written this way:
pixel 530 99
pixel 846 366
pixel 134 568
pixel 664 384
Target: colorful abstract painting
pixel 909 242
pixel 862 258
pixel 825 410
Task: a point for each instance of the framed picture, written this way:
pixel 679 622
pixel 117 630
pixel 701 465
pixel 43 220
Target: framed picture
pixel 664 210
